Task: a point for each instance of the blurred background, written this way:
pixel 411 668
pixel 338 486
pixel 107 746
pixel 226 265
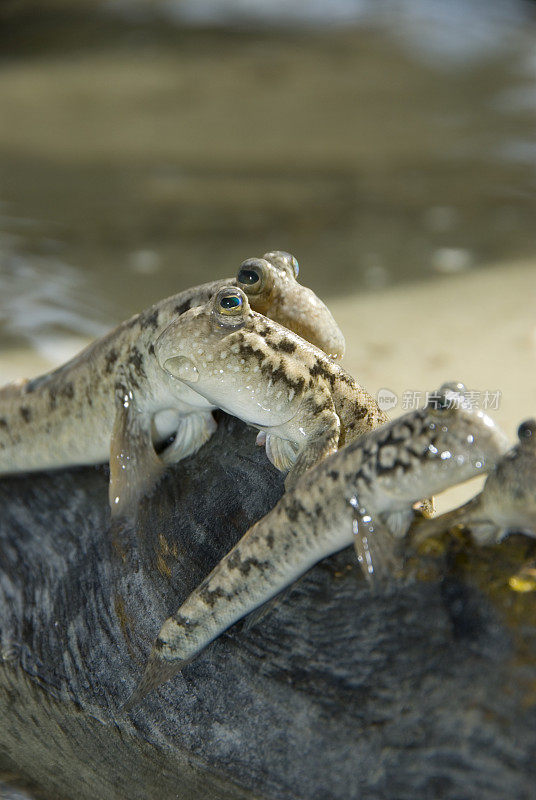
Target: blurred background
pixel 150 145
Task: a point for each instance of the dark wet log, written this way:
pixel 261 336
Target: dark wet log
pixel 426 692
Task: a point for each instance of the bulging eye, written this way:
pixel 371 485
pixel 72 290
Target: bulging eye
pixel 449 396
pixel 442 400
pixel 527 431
pixel 230 304
pixel 252 275
pixel 248 277
pixel 230 307
pixel 453 386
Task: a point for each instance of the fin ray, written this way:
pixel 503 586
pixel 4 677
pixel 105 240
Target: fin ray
pixel 259 613
pixel 398 522
pixel 311 455
pixel 191 434
pixel 134 466
pixel 375 547
pixel 281 452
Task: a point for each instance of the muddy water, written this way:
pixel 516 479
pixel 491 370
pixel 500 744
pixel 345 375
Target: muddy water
pixel 139 159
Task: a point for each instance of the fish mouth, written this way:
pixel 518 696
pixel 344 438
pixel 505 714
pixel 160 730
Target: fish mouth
pixel 182 368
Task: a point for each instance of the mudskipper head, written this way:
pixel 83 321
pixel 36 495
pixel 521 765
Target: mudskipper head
pixel 462 440
pixel 191 347
pixel 237 359
pixel 271 285
pixel 510 489
pixel 526 433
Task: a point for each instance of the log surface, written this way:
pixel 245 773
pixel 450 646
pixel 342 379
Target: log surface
pixel 428 691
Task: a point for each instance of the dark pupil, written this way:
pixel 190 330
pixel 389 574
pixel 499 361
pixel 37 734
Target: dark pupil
pixel 525 431
pixel 247 276
pixel 231 302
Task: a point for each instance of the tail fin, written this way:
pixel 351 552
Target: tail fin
pixel 157 671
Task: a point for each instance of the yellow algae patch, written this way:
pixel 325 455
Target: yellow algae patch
pixel 522 584
pixel 524 580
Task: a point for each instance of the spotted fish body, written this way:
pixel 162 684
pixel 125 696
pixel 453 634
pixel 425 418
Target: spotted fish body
pixel 361 495
pixel 507 502
pixel 304 403
pixel 113 401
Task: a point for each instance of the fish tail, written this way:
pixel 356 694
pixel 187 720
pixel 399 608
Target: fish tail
pixel 157 671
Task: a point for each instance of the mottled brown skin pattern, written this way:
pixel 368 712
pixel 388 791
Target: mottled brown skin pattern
pixel 296 365
pixel 359 495
pixel 507 502
pixel 305 403
pixel 66 417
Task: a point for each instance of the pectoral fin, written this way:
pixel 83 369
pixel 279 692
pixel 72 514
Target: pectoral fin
pixel 376 548
pixel 314 452
pixel 134 465
pixel 192 433
pixel 280 452
pixel 254 617
pixel 324 430
pixel 398 522
pixel 486 532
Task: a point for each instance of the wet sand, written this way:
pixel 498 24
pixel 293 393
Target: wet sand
pixel 479 328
